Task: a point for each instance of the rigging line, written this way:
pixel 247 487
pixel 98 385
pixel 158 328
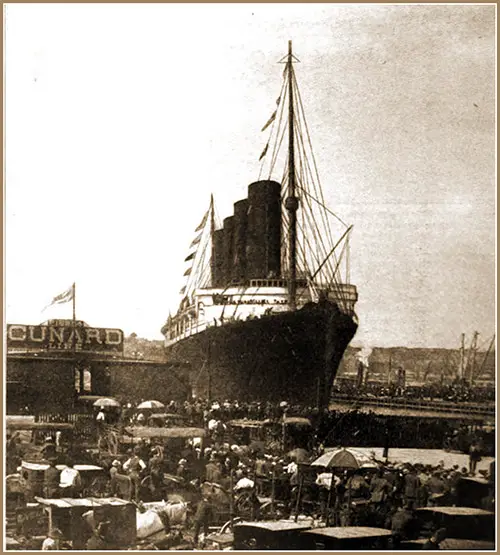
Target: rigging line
pixel 332 252
pixel 325 223
pixel 225 303
pixel 309 141
pixel 303 251
pixel 323 217
pixel 302 227
pixel 305 243
pixel 321 221
pixel 481 368
pixel 313 227
pixel 198 265
pixel 317 187
pixel 313 249
pixel 238 302
pixel 272 127
pixel 340 291
pixel 284 215
pixel 278 142
pixel 307 240
pixel 324 207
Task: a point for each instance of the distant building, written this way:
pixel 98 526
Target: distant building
pixel 418 365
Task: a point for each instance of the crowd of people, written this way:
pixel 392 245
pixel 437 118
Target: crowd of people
pixel 381 495
pixel 333 427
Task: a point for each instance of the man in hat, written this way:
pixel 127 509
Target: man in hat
pixel 213 470
pixel 48 450
pixel 121 484
pixel 474 456
pixel 182 470
pixel 52 542
pixel 411 485
pixel 115 468
pixel 156 470
pixel 134 467
pixel 202 518
pixel 70 481
pixel 379 488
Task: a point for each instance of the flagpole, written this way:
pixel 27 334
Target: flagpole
pixel 80 374
pixel 74 304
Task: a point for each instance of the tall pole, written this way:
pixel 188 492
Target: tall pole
pixel 473 362
pixel 292 202
pixel 212 229
pixel 80 370
pixel 467 362
pixel 462 356
pixel 73 287
pixel 209 370
pixel 492 342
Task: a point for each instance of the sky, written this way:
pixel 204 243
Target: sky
pixel 122 119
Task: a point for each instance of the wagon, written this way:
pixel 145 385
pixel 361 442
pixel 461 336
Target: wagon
pixel 32 477
pixel 133 434
pixel 283 434
pixel 466 523
pixel 173 438
pixel 471 492
pixel 32 434
pixel 346 538
pixel 269 535
pixel 165 419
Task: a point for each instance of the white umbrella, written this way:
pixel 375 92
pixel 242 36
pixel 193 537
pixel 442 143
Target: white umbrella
pixel 344 458
pixel 107 402
pixel 151 405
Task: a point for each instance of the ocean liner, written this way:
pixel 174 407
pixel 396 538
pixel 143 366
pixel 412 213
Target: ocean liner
pixel 267 310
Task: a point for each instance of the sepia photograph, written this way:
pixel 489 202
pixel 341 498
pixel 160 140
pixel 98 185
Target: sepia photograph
pixel 250 277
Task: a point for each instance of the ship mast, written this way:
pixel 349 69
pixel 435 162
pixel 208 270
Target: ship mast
pixel 292 202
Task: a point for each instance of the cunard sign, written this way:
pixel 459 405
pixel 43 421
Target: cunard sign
pixel 62 335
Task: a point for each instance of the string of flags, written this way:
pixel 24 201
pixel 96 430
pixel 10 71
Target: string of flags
pixel 190 257
pixel 267 124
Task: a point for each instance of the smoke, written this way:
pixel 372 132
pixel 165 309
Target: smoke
pixel 364 354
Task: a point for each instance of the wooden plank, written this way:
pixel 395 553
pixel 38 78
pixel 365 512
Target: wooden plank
pixel 61 503
pixel 456 511
pixel 348 532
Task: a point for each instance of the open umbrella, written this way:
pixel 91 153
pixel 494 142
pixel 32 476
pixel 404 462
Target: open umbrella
pixel 344 458
pixel 151 405
pixel 106 402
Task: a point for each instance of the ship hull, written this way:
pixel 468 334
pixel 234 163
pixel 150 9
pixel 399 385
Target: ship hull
pixel 292 356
